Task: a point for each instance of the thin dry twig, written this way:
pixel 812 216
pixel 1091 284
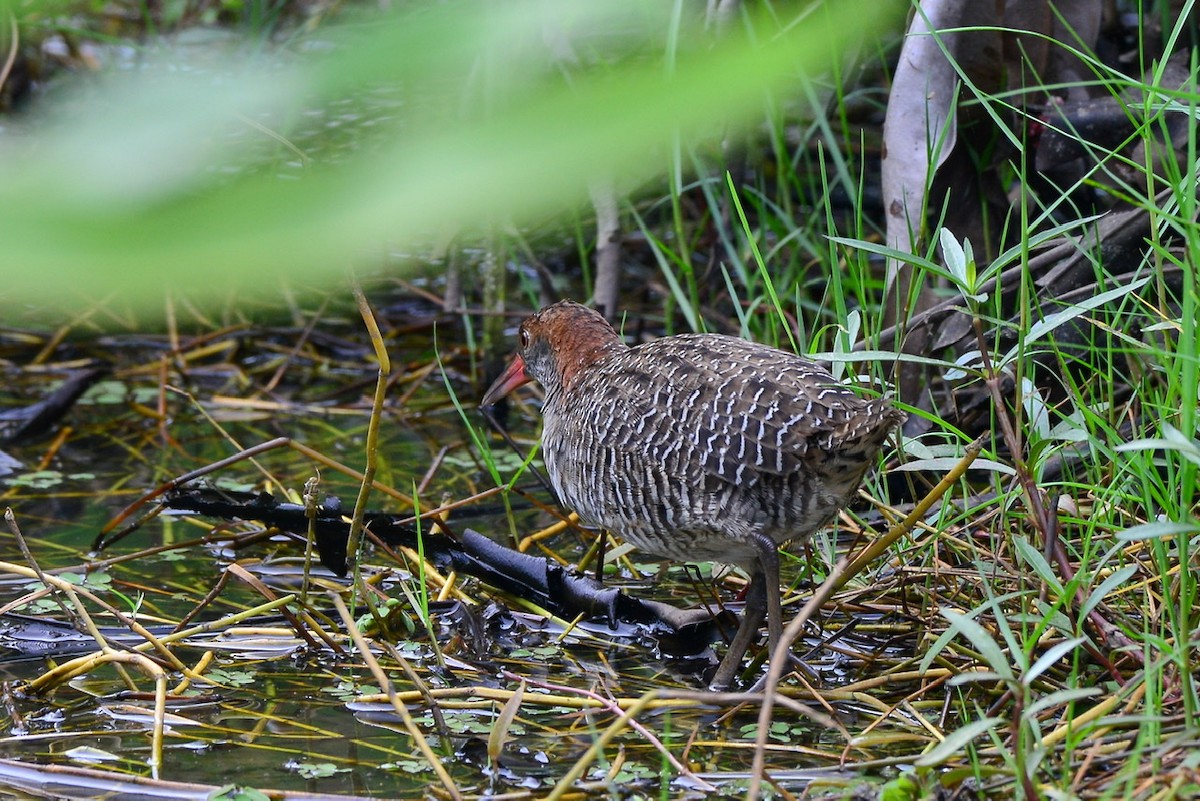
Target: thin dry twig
pixel 625 720
pixel 775 672
pixel 295 622
pixel 418 737
pixel 881 544
pixel 611 705
pixel 10 519
pixel 841 573
pixel 107 537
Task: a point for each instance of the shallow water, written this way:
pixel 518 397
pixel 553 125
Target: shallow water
pixel 277 712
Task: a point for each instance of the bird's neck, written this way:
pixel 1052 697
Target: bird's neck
pixel 579 360
pixel 583 350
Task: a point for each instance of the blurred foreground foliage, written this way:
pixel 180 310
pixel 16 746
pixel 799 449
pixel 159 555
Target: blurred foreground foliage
pixel 190 167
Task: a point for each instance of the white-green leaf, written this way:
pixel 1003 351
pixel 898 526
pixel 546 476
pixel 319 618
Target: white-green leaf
pixel 1116 579
pixel 1060 698
pixel 1158 529
pixel 955 259
pixel 1035 559
pixel 956 742
pixel 975 677
pixel 944 463
pixel 1050 657
pixel 989 650
pixel 1052 321
pixel 1172 440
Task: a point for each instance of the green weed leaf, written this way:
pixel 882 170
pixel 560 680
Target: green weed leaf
pixel 1051 657
pixel 1036 560
pixel 983 642
pixel 1109 584
pixel 1157 530
pixel 958 740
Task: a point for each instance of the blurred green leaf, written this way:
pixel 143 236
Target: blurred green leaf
pixel 184 170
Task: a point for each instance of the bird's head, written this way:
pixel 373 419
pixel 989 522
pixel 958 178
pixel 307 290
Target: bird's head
pixel 556 344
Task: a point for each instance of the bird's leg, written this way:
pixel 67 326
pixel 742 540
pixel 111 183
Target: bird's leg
pixel 762 600
pixel 752 618
pixel 768 560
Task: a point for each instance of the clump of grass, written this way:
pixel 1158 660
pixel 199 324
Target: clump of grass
pixel 1059 583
